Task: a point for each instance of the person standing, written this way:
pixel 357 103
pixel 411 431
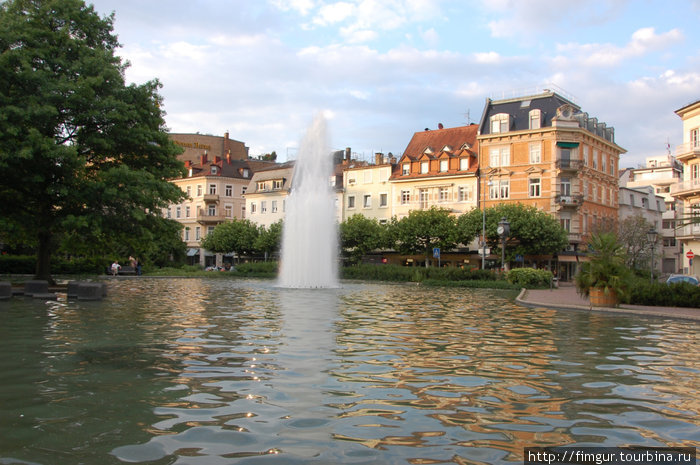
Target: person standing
pixel 115 268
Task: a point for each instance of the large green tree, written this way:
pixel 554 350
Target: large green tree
pixel 532 231
pixel 358 236
pixel 237 236
pixel 81 152
pixel 423 230
pixel 269 238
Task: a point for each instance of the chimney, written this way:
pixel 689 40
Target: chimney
pixel 227 143
pixel 348 153
pixel 217 159
pixel 188 163
pixel 378 158
pixel 440 126
pixel 228 157
pixel 203 159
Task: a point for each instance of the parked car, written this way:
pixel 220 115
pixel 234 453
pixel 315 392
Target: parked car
pixel 683 278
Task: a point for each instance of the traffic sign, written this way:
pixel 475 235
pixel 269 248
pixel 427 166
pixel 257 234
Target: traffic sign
pixel 690 255
pixel 436 252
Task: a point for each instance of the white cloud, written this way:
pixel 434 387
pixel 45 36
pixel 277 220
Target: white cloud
pixel 487 57
pixel 334 13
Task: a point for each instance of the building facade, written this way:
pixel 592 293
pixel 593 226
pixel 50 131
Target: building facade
pixel 542 150
pixel 688 190
pixel 366 189
pixel 661 173
pixel 266 196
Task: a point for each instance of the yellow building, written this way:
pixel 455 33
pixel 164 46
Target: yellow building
pixel 438 168
pixel 542 150
pixel 688 190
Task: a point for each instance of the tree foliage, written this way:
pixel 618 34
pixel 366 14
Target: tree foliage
pixel 269 239
pixel 532 231
pixel 238 236
pixel 633 236
pixel 358 236
pixel 81 152
pixel 423 230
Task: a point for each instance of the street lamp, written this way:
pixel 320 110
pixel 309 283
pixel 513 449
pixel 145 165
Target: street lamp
pixel 651 237
pixel 503 231
pixel 483 229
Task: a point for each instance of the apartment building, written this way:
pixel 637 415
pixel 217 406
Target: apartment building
pixel 661 173
pixel 688 190
pixel 266 196
pixel 366 188
pixel 438 169
pixel 542 150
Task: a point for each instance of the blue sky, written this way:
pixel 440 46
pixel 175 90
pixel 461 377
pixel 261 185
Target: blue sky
pixel 383 69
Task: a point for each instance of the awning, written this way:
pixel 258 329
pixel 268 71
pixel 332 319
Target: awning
pixel 192 252
pixel 568 145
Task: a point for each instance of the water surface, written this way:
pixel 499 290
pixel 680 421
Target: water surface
pixel 193 371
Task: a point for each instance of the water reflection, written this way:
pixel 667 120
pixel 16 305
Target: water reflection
pixel 206 371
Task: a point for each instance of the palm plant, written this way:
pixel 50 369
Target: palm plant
pixel 605 271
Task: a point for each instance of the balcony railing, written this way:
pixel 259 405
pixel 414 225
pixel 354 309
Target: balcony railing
pixel 691 231
pixel 569 200
pixel 688 149
pixel 686 187
pixel 211 197
pixel 203 217
pixel 569 165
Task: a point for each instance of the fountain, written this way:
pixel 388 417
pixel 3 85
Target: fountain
pixel 309 237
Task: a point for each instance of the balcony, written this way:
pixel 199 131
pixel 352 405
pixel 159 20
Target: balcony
pixel 569 165
pixel 209 198
pixel 569 201
pixel 689 232
pixel 686 188
pixel 204 218
pixel 575 238
pixel 688 151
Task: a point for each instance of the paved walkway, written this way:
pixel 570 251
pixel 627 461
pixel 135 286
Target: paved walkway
pixel 566 297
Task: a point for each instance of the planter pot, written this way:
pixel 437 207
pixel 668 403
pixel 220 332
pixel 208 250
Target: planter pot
pixel 599 299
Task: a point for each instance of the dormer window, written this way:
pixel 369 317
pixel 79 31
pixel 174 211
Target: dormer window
pixel 466 146
pixel 443 165
pixel 428 150
pixel 535 119
pixel 424 167
pixel 464 164
pixel 405 169
pixel 447 148
pixel 214 169
pixel 500 123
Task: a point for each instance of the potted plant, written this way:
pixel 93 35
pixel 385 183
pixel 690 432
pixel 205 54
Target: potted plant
pixel 604 278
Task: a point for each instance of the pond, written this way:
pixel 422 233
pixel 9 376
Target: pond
pixel 218 371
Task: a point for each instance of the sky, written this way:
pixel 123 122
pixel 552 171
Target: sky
pixel 381 70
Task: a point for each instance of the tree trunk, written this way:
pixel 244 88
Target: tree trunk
pixel 43 258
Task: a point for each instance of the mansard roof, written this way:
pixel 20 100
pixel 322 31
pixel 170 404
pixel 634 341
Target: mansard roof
pixel 437 139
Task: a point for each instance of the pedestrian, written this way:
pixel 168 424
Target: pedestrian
pixel 115 268
pixel 132 262
pixel 138 266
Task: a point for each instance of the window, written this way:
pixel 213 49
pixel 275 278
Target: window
pixel 197 233
pixel 187 234
pixel 585 155
pixel 566 224
pixel 499 156
pixel 464 164
pixel 351 201
pixel 565 186
pixel 535 119
pixel 245 173
pixel 669 242
pixel 199 190
pixel 423 197
pixel 405 169
pixel 367 177
pixel 210 229
pixel 243 190
pixel 277 184
pixel 668 224
pixel 465 193
pixel 187 211
pixel 178 212
pixel 261 185
pixel 500 123
pixel 612 166
pixel 212 189
pixel 253 208
pixel 443 165
pixel 645 202
pixel 695 171
pixel 229 211
pixel 228 190
pixel 443 194
pixel 383 200
pixel 367 201
pixel 499 189
pixel 585 189
pixel 242 211
pixel 535 153
pixel 405 197
pixel 263 207
pixel 214 169
pixel 695 138
pixel 595 159
pixel 424 166
pixel 188 189
pixel 169 214
pixel 535 187
pixel 211 210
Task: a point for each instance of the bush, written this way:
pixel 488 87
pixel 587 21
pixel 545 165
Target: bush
pixel 399 273
pixel 26 264
pixel 17 264
pixel 529 277
pixel 664 295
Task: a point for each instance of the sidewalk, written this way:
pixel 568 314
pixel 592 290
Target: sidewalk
pixel 565 297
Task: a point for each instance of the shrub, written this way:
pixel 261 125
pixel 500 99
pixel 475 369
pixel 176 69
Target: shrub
pixel 664 295
pixel 17 264
pixel 529 277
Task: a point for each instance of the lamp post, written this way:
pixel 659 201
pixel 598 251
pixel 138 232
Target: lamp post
pixel 483 229
pixel 503 231
pixel 651 237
